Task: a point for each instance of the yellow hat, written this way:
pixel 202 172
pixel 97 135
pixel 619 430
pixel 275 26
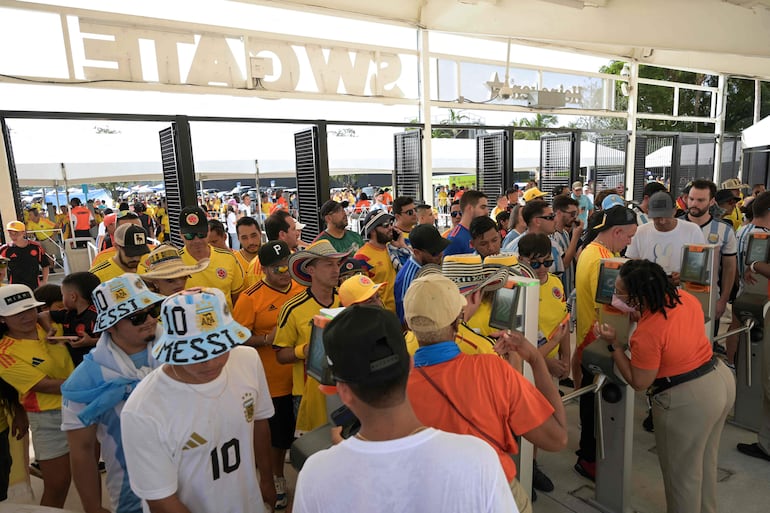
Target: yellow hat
pixel 357 289
pixel 533 193
pixel 16 226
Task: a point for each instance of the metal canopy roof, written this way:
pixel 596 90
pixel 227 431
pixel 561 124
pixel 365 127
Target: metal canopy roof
pixel 718 36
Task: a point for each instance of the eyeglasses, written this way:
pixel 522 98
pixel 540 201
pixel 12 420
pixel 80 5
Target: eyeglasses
pixel 536 264
pixel 549 217
pixel 455 214
pixel 140 317
pixel 279 269
pixel 192 236
pixel 388 224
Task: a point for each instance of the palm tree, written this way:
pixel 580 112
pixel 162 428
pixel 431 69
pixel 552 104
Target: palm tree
pixel 542 121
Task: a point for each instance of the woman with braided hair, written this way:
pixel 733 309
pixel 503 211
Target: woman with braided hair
pixel 692 391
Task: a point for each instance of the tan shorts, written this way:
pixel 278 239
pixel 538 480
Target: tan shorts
pixel 521 497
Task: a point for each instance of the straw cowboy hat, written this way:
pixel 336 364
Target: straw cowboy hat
pixel 299 260
pixel 469 274
pixel 165 263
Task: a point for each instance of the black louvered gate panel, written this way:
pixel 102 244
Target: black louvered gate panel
pixel 557 159
pixel 312 178
pixel 610 161
pixel 490 165
pixel 407 171
pixel 756 166
pixel 659 159
pixel 14 177
pixel 640 172
pixel 178 174
pixel 695 156
pixel 731 157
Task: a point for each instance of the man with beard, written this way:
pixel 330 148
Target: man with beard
pixel 130 243
pixel 250 238
pixel 336 219
pixel 95 393
pixel 566 237
pixel 699 199
pixel 378 228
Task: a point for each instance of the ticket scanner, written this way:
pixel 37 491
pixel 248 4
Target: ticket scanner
pixel 614 401
pixel 698 276
pixel 751 307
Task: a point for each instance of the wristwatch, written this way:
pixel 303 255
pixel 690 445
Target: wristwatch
pixel 610 348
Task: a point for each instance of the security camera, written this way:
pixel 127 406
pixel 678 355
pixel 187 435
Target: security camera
pixel 506 93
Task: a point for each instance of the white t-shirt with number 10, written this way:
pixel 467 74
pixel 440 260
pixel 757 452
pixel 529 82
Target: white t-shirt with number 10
pixel 196 441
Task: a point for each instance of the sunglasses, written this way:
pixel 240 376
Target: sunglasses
pixel 455 214
pixel 140 317
pixel 192 236
pixel 545 263
pixel 549 217
pixel 279 269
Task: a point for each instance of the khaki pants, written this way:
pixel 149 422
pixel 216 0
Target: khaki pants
pixel 689 419
pixel 520 497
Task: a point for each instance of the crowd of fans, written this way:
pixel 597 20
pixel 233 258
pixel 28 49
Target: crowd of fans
pixel 185 369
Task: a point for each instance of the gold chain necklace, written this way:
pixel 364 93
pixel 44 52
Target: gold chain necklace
pixel 421 428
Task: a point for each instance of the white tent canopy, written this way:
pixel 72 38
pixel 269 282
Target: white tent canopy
pixel 721 36
pixel 757 135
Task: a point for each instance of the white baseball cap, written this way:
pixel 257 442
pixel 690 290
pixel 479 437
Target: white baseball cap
pixel 15 299
pixel 120 297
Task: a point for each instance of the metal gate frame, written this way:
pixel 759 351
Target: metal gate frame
pixel 312 168
pixel 407 168
pixel 494 164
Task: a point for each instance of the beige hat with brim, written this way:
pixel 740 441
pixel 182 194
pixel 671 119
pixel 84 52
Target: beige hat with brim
pixel 165 263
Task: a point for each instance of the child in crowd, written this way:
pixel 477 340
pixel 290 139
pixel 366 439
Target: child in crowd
pixel 79 313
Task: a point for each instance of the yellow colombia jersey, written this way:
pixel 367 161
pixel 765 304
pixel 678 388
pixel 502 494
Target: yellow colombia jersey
pixel 467 340
pixel 479 321
pixel 294 327
pixel 43 229
pixel 252 271
pixel 223 273
pixel 586 282
pixel 108 253
pixel 553 310
pixel 23 363
pixel 108 269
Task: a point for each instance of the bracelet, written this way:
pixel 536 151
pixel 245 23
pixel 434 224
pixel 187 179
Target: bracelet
pixel 752 266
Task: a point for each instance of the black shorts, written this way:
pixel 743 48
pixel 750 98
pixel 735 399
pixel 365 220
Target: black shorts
pixel 282 424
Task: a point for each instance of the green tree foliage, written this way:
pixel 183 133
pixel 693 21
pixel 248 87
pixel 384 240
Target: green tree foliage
pixel 115 188
pixel 541 121
pixel 660 100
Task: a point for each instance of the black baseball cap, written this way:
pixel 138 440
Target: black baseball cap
pixel 725 195
pixel 427 238
pixel 133 240
pixel 193 220
pixel 365 345
pixel 615 216
pixel 272 252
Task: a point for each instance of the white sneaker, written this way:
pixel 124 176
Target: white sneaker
pixel 282 498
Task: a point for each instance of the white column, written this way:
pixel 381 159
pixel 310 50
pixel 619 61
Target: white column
pixel 425 104
pixel 633 95
pixel 719 126
pixel 757 100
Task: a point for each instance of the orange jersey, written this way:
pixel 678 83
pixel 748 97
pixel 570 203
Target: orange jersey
pixel 257 308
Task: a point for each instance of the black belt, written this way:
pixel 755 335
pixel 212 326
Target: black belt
pixel 661 384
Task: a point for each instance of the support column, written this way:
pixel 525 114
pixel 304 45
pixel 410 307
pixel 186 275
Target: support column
pixel 9 202
pixel 757 100
pixel 425 113
pixel 633 95
pixel 719 127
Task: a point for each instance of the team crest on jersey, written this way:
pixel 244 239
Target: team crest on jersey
pixel 713 238
pixel 33 252
pixel 556 293
pixel 221 273
pixel 248 406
